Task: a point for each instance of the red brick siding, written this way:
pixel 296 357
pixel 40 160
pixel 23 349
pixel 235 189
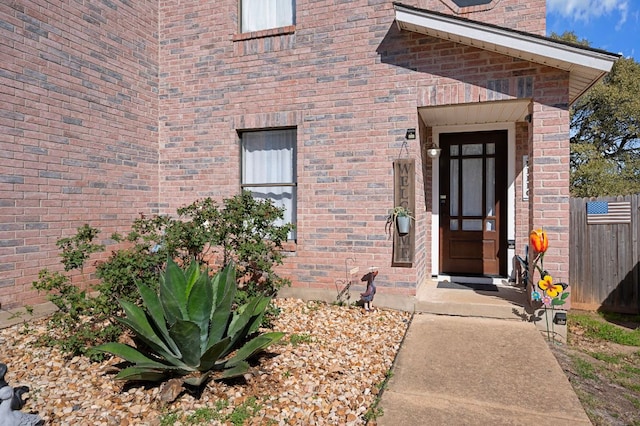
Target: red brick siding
pixel 351 83
pixel 78 127
pixel 522 15
pixel 94 108
pixel 549 190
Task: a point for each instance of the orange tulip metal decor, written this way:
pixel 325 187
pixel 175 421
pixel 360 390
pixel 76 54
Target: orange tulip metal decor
pixel 539 241
pixel 546 292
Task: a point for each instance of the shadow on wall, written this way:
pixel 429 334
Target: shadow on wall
pixel 436 57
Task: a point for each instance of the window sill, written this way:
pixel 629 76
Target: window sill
pixel 290 246
pixel 289 29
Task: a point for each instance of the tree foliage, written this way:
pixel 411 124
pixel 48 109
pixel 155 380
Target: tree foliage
pixel 605 132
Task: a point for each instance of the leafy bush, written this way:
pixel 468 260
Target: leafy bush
pixel 74 331
pixel 190 329
pixel 242 230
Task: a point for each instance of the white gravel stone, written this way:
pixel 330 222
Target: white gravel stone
pixel 324 372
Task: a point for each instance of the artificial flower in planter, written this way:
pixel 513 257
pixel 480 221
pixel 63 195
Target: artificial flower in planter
pixel 400 218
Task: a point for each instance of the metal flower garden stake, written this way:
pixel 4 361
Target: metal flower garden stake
pixel 548 293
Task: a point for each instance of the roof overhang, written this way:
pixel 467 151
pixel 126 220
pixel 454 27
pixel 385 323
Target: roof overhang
pixel 506 111
pixel 585 65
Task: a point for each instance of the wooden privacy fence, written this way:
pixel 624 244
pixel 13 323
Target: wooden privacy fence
pixel 605 254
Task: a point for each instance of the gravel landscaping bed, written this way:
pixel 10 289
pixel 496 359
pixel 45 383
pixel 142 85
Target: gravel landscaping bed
pixel 328 369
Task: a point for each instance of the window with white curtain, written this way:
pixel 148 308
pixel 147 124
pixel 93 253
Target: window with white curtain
pixel 269 168
pixel 265 14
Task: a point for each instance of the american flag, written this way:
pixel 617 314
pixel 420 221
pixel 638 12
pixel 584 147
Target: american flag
pixel 604 212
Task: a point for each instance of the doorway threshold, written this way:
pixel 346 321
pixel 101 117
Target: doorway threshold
pixel 469 279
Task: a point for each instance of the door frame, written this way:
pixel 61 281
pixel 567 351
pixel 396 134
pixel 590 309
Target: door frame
pixel 511 190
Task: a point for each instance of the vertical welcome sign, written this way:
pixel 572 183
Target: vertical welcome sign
pixel 404 186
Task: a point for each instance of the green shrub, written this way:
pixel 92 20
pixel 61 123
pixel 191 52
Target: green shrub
pixel 77 249
pixel 190 329
pixel 242 230
pixel 78 322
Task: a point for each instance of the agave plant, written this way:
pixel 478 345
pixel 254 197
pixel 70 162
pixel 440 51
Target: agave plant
pixel 189 328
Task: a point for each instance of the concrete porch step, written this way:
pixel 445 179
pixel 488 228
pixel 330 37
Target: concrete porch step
pixel 507 303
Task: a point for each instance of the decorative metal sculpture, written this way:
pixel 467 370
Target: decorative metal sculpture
pixel 11 402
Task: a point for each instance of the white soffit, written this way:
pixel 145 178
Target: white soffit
pixel 475 113
pixel 585 65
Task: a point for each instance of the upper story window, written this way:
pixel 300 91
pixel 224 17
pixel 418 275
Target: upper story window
pixel 260 15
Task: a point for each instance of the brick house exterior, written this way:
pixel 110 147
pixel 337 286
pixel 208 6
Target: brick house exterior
pixel 111 108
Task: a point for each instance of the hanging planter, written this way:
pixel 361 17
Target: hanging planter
pixel 400 219
pixel 404 224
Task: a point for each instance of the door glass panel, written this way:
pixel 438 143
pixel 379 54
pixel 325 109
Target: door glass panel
pixel 491 186
pixel 453 224
pixel 453 187
pixel 472 187
pixel 491 148
pixel 472 149
pixel 472 224
pixel 453 150
pixel 490 225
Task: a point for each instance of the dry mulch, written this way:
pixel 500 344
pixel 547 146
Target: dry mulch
pixel 326 370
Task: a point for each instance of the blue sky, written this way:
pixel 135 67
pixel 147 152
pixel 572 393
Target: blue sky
pixel 612 25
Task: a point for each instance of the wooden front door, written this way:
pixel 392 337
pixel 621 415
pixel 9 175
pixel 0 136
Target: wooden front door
pixel 473 203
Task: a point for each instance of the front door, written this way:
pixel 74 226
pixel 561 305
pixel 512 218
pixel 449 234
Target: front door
pixel 473 203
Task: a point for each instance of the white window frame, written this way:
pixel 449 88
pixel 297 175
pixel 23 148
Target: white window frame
pixel 258 15
pixel 267 177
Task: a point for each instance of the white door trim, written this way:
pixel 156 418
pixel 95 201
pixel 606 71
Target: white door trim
pixel 511 189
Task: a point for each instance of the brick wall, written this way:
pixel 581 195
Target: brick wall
pixel 351 83
pixel 107 111
pixel 522 15
pixel 78 127
pixel 549 170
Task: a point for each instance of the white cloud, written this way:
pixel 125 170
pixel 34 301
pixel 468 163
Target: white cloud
pixel 584 10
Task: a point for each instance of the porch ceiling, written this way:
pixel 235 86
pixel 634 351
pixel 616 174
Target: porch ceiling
pixel 585 65
pixel 475 113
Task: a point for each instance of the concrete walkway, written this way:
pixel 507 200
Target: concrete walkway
pixel 477 371
pixel 474 358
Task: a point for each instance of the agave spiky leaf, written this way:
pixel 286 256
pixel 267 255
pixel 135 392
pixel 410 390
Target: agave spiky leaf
pixel 242 321
pixel 186 334
pixel 128 353
pixel 156 313
pixel 236 371
pixel 173 293
pixel 145 368
pixel 255 345
pixel 138 322
pixel 141 374
pixel 224 284
pixel 213 354
pixel 200 307
pixel 192 274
